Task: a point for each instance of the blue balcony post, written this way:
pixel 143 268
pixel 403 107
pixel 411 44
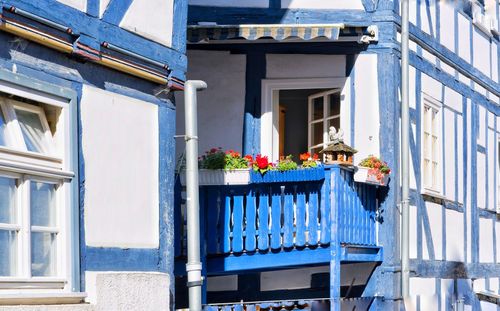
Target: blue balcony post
pixel 333 174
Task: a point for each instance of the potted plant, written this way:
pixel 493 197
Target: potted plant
pixel 372 170
pixel 217 167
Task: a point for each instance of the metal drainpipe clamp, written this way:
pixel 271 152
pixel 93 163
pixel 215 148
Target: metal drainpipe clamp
pixel 194 274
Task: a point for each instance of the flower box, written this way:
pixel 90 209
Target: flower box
pixel 308 174
pixel 220 177
pixel 369 176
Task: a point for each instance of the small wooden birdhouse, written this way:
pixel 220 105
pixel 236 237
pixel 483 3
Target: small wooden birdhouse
pixel 337 152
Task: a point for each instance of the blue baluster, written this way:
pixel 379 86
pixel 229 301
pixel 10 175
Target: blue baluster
pixel 276 218
pixel 325 209
pixel 288 215
pixel 250 242
pixel 237 223
pixel 263 220
pixel 227 225
pixel 313 216
pixel 300 239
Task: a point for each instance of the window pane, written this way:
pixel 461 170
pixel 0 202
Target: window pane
pixel 8 252
pixel 43 204
pixel 43 254
pixel 334 100
pixel 316 133
pixel 7 200
pixel 2 129
pixel 317 108
pixel 32 130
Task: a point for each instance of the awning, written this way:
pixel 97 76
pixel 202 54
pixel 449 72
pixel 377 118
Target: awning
pixel 282 33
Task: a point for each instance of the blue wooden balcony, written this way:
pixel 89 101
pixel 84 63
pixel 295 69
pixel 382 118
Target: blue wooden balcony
pixel 288 219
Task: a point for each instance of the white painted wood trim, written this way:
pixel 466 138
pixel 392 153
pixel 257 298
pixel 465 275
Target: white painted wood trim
pixel 269 131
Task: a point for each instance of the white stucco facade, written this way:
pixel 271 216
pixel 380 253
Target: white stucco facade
pixel 121 170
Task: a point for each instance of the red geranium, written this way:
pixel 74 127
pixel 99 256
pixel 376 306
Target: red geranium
pixel 261 164
pixel 305 156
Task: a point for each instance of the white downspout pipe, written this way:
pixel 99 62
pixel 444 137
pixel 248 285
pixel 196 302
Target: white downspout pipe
pixel 405 154
pixel 193 266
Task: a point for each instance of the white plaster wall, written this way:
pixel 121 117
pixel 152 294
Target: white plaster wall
pixel 481 53
pixel 449 154
pixel 413 231
pixel 322 4
pixel 434 213
pixel 494 61
pixel 486 245
pixel 221 105
pixel 481 180
pixel 464 37
pixel 120 150
pixel 447 25
pixel 461 167
pixel 454 235
pixel 425 289
pixel 482 126
pixel 492 167
pixel 152 19
pixel 432 87
pixel 232 3
pixel 77 4
pixel 428 16
pixel 281 66
pixel 366 116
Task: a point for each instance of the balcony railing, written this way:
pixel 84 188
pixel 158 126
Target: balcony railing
pixel 285 212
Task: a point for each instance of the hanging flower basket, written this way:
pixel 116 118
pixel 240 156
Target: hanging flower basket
pixel 370 176
pixel 372 170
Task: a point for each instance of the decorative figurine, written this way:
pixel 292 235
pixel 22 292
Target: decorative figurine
pixel 336 151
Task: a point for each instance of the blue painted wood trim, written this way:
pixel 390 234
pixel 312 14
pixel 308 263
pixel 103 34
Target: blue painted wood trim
pixel 241 15
pixel 370 5
pixel 473 165
pixel 115 11
pixel 255 72
pixel 275 4
pixel 82 23
pixel 453 269
pixel 179 25
pixel 71 96
pixel 119 259
pixel 166 184
pixel 335 252
pixel 93 8
pixel 465 158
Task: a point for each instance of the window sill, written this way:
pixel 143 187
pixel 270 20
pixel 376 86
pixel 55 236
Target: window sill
pixel 432 194
pixel 34 283
pixel 42 298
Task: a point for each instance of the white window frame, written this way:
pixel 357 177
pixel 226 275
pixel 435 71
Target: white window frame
pixel 432 189
pixel 52 166
pixel 324 120
pixel 269 122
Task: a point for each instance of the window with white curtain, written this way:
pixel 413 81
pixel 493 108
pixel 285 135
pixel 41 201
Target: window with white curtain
pixel 431 145
pixel 34 186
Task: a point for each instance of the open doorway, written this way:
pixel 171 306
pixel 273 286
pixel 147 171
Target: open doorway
pixel 304 118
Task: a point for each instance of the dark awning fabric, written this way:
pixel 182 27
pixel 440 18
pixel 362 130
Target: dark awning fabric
pixel 281 33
